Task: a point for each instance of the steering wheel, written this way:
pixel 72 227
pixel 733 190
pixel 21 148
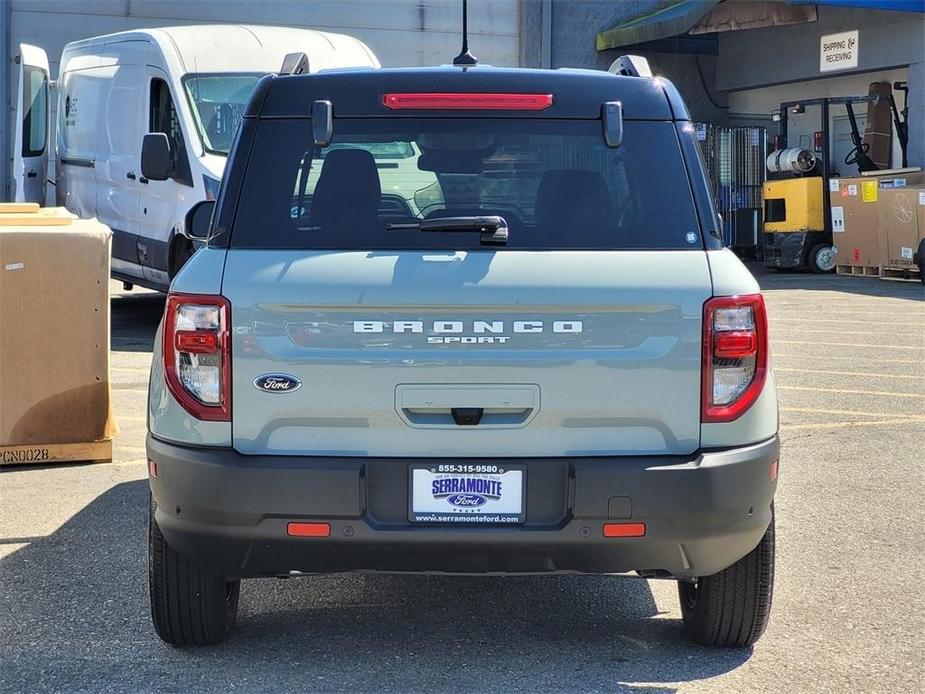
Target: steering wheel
pixel 859 151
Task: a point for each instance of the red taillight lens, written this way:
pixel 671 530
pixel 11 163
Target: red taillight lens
pixel 467 102
pixel 197 354
pixel 197 341
pixel 735 344
pixel 735 355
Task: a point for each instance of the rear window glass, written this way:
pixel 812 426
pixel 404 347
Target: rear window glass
pixel 555 182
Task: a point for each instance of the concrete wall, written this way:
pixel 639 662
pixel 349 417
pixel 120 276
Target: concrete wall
pixel 400 32
pixel 575 24
pixel 776 55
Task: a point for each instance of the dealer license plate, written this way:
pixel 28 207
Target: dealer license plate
pixel 467 493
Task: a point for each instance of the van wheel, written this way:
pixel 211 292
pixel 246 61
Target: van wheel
pixel 822 258
pixel 732 607
pixel 189 607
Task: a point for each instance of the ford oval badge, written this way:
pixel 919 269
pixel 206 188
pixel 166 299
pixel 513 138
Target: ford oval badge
pixel 467 500
pixel 277 383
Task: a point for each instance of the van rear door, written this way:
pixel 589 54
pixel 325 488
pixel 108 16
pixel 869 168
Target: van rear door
pixel 30 153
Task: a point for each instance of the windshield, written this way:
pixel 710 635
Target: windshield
pixel 554 181
pixel 218 102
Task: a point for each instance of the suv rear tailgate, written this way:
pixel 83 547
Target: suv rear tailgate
pixel 601 352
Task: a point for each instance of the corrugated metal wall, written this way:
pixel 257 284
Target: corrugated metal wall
pixel 400 32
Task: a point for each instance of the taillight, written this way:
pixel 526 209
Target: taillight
pixel 467 101
pixel 735 355
pixel 197 354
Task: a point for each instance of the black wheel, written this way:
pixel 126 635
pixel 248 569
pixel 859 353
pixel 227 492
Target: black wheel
pixel 822 258
pixel 732 607
pixel 189 607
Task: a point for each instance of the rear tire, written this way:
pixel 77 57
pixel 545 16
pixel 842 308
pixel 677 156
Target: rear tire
pixel 822 258
pixel 189 607
pixel 732 607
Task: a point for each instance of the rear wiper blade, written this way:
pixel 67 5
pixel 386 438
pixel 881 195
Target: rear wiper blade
pixel 493 228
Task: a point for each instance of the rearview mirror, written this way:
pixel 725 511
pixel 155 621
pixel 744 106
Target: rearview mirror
pixel 198 221
pixel 155 157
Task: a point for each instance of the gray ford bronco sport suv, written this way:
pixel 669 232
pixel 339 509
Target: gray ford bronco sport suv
pixel 530 355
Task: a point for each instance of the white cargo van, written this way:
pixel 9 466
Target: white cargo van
pixel 190 83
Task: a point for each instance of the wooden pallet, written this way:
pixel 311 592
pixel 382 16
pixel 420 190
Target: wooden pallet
pixel 50 453
pixel 858 270
pixel 904 274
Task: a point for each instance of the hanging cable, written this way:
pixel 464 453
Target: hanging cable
pixel 703 83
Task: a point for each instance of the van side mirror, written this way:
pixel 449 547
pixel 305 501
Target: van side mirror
pixel 155 157
pixel 198 221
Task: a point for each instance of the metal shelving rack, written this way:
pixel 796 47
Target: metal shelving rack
pixel 735 160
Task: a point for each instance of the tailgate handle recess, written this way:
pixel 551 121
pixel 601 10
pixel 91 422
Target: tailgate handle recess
pixel 487 406
pixel 467 416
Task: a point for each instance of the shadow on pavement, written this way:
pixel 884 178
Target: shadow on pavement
pixel 134 319
pixel 865 286
pixel 74 616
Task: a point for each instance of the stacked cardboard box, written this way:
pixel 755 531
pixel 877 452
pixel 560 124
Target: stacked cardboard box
pixel 856 216
pixel 902 226
pixel 54 337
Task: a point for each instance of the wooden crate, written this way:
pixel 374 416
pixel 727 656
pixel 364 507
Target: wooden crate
pixel 905 274
pixel 858 270
pixel 50 453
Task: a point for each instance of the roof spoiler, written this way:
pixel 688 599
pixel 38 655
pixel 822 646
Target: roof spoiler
pixel 294 64
pixel 631 66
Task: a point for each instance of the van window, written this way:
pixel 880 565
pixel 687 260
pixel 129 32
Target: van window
pixel 35 111
pixel 218 102
pixel 164 119
pixel 554 181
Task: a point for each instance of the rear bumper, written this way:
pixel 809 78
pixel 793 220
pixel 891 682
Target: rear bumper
pixel 229 512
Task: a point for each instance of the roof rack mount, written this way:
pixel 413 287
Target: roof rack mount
pixel 631 66
pixel 294 64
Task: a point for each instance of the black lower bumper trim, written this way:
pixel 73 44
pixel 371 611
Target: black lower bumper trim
pixel 229 513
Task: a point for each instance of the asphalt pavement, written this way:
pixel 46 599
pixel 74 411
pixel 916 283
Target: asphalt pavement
pixel 848 616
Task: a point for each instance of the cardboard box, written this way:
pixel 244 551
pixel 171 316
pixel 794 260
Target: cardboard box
pixel 54 340
pixel 902 225
pixel 878 134
pixel 856 214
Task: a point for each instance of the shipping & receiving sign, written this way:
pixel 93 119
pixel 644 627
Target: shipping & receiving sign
pixel 838 51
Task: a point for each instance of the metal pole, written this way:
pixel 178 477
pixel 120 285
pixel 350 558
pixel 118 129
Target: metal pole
pixel 546 51
pixel 827 145
pixel 5 117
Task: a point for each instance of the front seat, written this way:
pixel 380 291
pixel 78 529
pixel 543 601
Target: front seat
pixel 569 201
pixel 347 195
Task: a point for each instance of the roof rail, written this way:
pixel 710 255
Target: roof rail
pixel 631 66
pixel 294 64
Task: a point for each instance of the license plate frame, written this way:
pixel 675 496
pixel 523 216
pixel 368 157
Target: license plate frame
pixel 446 514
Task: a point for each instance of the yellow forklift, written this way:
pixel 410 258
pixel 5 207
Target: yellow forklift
pixel 797 216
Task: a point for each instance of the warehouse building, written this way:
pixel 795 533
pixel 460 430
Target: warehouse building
pixel 735 61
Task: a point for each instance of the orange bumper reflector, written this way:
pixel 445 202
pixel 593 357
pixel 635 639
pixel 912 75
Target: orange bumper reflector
pixel 152 469
pixel 772 473
pixel 309 529
pixel 624 529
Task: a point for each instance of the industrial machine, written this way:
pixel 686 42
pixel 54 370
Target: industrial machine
pixel 797 217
